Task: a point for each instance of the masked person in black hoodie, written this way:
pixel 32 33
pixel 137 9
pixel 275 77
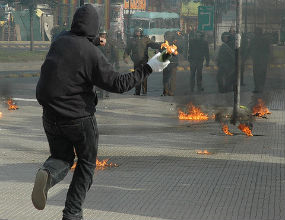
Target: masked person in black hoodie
pixel 73 66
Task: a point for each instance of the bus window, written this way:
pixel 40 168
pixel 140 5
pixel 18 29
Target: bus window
pixel 140 23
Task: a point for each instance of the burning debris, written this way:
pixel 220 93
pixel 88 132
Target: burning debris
pixel 100 165
pixel 245 119
pixel 203 152
pixel 260 110
pixel 11 104
pixel 226 130
pixel 104 164
pixel 194 113
pixel 1 114
pixel 245 129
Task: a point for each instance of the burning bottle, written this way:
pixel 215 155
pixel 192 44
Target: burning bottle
pixel 168 52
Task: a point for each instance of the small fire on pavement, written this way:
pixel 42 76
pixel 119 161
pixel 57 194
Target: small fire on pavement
pixel 203 152
pixel 1 114
pixel 260 110
pixel 194 113
pixel 245 129
pixel 100 165
pixel 11 105
pixel 226 130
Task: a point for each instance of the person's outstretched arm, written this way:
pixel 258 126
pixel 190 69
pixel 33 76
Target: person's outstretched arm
pixel 105 77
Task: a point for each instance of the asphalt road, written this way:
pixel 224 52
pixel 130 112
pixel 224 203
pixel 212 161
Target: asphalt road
pixel 160 176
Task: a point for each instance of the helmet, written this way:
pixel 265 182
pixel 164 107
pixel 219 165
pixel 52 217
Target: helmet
pixel 102 31
pixel 138 29
pixel 226 35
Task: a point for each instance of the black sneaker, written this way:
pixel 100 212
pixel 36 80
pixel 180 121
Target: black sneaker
pixel 41 187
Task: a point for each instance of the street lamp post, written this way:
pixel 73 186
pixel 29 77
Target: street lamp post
pixel 237 62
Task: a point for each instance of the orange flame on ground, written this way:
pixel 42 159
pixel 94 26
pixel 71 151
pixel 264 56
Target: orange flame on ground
pixel 11 105
pixel 203 152
pixel 245 129
pixel 260 109
pixel 194 114
pixel 226 130
pixel 99 164
pixel 0 114
pixel 170 49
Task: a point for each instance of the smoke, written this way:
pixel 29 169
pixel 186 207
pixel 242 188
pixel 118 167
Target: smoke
pixel 5 92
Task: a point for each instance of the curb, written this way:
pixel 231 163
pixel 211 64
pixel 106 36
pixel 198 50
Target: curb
pixel 183 68
pixel 19 75
pixel 24 46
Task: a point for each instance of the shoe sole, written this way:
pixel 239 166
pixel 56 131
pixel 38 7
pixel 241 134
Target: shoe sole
pixel 38 195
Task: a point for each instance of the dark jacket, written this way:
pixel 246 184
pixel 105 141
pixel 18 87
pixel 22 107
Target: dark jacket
pixel 198 50
pixel 226 59
pixel 260 49
pixel 74 65
pixel 137 48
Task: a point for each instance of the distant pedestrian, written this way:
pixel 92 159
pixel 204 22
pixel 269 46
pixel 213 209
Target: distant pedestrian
pixel 198 52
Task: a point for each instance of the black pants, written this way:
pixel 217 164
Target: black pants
pixel 226 79
pixel 196 68
pixel 169 79
pixel 259 75
pixel 142 86
pixel 63 137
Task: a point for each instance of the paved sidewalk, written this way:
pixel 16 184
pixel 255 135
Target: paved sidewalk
pixel 160 175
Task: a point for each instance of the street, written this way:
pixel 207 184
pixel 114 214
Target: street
pixel 160 174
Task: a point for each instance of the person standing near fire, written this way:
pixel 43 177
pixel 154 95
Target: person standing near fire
pixel 169 73
pixel 198 51
pixel 226 64
pixel 260 52
pixel 72 67
pixel 137 49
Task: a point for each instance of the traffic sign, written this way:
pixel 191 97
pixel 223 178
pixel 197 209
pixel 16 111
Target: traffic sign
pixel 205 18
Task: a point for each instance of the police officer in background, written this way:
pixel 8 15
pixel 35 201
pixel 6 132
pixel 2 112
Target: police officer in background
pixel 110 49
pixel 111 52
pixel 260 53
pixel 198 51
pixel 137 49
pixel 226 64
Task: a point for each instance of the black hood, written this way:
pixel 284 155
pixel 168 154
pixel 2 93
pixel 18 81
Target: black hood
pixel 85 21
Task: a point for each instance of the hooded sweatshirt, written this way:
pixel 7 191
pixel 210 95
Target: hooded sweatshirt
pixel 74 65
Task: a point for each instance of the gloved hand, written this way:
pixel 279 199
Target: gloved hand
pixel 156 65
